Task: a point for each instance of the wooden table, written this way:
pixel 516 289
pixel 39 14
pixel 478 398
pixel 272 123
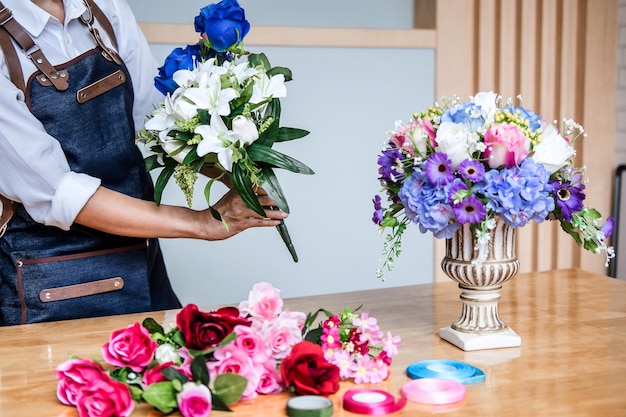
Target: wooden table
pixel 572 361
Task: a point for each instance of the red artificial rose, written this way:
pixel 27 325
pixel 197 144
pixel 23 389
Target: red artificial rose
pixel 154 375
pixel 306 372
pixel 203 330
pixel 131 347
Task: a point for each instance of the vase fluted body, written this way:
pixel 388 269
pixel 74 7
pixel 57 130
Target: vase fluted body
pixel 480 270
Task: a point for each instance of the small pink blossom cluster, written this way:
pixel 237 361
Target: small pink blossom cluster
pixel 258 348
pixel 357 345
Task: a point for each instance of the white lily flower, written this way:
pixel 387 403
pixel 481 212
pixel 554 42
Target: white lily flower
pixel 265 87
pixel 210 96
pixel 217 139
pixel 170 145
pixel 241 71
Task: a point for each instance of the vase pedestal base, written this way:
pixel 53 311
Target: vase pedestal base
pixel 472 341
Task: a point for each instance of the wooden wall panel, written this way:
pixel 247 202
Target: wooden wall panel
pixel 560 56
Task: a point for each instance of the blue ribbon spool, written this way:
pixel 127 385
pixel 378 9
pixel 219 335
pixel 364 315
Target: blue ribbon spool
pixel 445 369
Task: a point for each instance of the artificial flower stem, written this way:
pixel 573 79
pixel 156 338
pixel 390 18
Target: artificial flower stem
pixel 284 234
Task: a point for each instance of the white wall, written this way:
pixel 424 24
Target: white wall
pixel 348 99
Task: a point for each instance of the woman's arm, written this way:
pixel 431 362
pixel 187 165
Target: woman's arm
pixel 117 213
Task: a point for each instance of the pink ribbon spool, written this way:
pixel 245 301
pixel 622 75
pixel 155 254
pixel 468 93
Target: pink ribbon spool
pixel 372 402
pixel 434 391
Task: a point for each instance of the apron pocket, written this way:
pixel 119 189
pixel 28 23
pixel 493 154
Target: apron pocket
pixel 89 284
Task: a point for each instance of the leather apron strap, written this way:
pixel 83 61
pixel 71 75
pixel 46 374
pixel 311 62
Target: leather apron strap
pixel 32 50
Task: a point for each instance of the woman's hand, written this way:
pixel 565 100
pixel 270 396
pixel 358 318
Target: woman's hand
pixel 239 217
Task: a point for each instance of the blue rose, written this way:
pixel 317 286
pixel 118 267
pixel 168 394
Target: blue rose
pixel 224 24
pixel 178 59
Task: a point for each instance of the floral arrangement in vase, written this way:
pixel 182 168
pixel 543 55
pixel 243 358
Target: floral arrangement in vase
pixel 210 360
pixel 221 115
pixel 468 162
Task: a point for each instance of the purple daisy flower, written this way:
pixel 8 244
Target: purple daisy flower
pixel 569 197
pixel 377 218
pixel 390 166
pixel 471 170
pixel 470 210
pixel 438 169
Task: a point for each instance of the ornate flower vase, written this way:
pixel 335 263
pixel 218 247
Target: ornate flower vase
pixel 481 268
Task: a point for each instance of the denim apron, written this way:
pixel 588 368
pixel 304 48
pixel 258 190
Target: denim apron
pixel 50 274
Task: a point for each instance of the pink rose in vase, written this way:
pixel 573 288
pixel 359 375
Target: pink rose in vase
pixel 506 146
pixel 131 347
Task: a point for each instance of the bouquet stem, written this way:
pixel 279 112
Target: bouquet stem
pixel 284 234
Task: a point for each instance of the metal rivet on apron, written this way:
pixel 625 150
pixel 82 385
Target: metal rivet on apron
pixel 47 296
pixel 116 283
pixel 54 75
pixel 83 95
pixel 43 79
pixel 19 264
pixel 39 60
pixel 62 75
pixel 120 77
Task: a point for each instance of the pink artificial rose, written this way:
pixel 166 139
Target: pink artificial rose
pixel 194 400
pixel 154 375
pixel 284 332
pixel 252 342
pixel 506 145
pixel 264 301
pixel 73 376
pixel 105 398
pixel 131 347
pixel 234 360
pixel 270 381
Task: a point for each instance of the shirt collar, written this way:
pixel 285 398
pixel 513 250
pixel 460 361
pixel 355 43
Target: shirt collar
pixel 34 19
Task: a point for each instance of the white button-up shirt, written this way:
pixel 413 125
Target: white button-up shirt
pixel 33 167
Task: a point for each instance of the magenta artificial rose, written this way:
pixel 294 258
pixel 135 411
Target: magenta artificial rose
pixel 73 376
pixel 194 400
pixel 506 146
pixel 251 341
pixel 154 375
pixel 105 398
pixel 131 347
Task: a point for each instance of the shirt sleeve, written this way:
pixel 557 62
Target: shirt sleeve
pixel 34 170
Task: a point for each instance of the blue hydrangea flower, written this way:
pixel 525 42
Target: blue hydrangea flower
pixel 519 194
pixel 533 118
pixel 468 114
pixel 425 204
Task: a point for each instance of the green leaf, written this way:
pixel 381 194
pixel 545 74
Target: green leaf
pixel 270 184
pixel 152 162
pixel 191 156
pixel 281 70
pixel 261 153
pixel 259 60
pixel 162 396
pixel 174 375
pixel 199 370
pixel 135 392
pixel 269 135
pixel 243 185
pixel 229 387
pixel 238 104
pixel 314 335
pixel 273 110
pixel 162 180
pixel 205 117
pixel 177 338
pixel 152 326
pixel 290 133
